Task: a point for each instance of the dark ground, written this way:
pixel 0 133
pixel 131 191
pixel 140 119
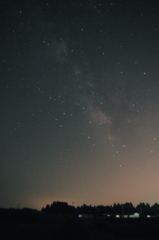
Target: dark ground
pixel 30 224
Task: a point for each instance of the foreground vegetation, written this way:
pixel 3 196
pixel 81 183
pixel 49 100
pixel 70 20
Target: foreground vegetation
pixel 117 209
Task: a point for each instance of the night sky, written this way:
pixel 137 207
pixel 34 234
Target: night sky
pixel 79 102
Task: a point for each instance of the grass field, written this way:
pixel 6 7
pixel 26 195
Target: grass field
pixel 30 224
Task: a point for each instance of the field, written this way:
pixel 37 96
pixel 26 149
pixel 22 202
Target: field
pixel 28 224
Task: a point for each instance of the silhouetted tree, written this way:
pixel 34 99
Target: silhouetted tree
pixel 59 208
pixel 155 209
pixel 143 209
pixel 128 208
pixel 117 209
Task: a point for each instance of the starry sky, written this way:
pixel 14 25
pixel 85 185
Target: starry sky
pixel 79 102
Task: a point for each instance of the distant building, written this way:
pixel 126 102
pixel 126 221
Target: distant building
pixel 85 215
pixel 106 215
pixel 135 215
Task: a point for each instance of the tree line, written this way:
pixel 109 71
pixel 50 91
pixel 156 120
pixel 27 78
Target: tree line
pixel 58 207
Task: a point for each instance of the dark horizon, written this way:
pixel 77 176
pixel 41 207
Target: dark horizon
pixel 141 205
